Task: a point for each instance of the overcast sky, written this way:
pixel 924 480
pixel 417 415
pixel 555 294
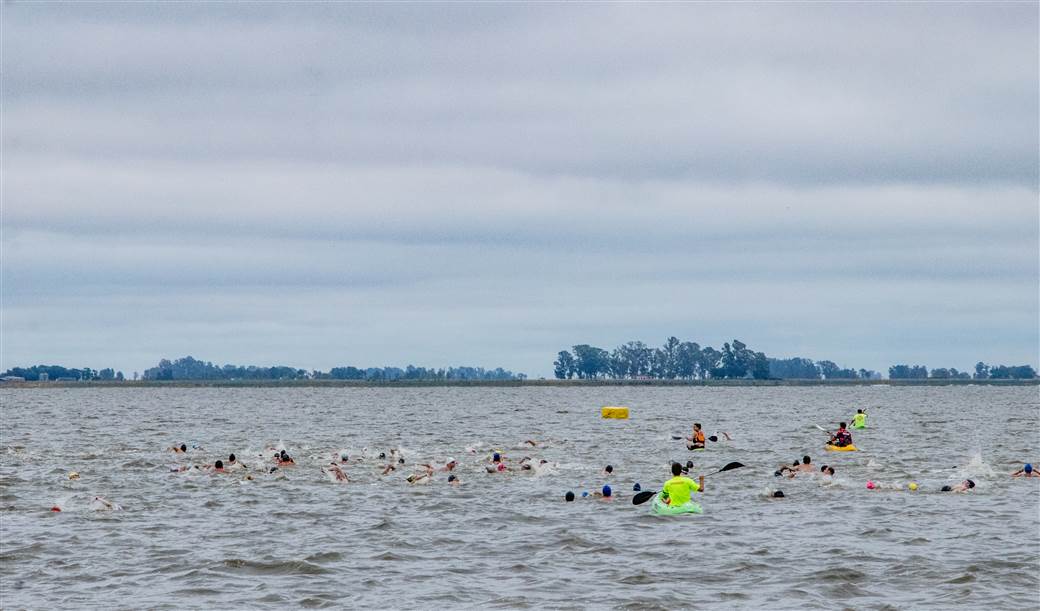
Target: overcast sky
pixel 487 184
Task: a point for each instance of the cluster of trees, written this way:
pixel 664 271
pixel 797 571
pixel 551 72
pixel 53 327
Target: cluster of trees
pixel 806 369
pixel 982 372
pixel 188 368
pixel 674 360
pixel 55 372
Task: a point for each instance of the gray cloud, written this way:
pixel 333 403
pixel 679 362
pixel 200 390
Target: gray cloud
pixel 331 183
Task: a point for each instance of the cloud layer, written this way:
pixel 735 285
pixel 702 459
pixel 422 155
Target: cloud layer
pixel 487 184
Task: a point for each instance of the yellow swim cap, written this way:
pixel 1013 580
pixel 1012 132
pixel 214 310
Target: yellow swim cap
pixel 913 486
pixel 73 475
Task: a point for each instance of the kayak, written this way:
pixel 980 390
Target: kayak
pixel 696 449
pixel 859 427
pixel 660 508
pixel 848 448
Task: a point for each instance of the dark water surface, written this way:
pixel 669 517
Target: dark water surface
pixel 186 540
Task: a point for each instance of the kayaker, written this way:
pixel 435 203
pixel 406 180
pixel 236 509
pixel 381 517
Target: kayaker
pixel 697 439
pixel 1026 471
pixel 859 421
pixel 679 488
pixel 842 437
pixel 964 486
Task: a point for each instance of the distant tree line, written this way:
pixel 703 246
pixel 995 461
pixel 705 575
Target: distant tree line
pixel 56 372
pixel 686 360
pixel 189 368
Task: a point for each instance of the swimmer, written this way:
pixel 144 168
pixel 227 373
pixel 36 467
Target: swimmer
pixel 233 463
pixel 102 504
pixel 779 494
pixel 964 486
pixel 569 497
pixel 805 467
pixel 532 443
pixel 715 437
pixel 422 477
pixel 786 469
pixel 453 480
pixel 688 467
pixel 608 494
pixel 284 459
pixel 825 470
pixel 1026 471
pixel 608 470
pixel 183 449
pixel 218 467
pixel 335 471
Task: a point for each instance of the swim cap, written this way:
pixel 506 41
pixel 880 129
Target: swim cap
pixel 1028 468
pixel 449 461
pixel 637 487
pixel 496 457
pixel 913 486
pixel 971 484
pixel 452 477
pixel 689 464
pixel 609 469
pixel 569 496
pixel 870 485
pixel 501 466
pixel 73 475
pixel 584 494
pixel 606 491
pixel 779 494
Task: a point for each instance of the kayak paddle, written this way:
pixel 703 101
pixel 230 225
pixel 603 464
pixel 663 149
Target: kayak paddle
pixel 646 495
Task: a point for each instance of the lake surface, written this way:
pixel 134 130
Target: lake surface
pixel 296 539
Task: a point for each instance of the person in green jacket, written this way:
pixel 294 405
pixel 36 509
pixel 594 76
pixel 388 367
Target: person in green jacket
pixel 859 421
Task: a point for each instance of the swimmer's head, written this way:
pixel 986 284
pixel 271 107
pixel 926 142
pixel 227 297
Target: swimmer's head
pixel 1028 468
pixel 689 464
pixel 806 460
pixel 452 477
pixel 609 469
pixel 779 494
pixel 606 491
pixel 184 447
pixel 584 493
pixel 870 485
pixel 637 487
pixel 231 457
pixel 676 468
pixel 219 464
pixel 913 486
pixel 497 457
pixel 382 455
pixel 830 471
pixel 73 475
pixel 569 496
pixel 970 483
pixel 400 461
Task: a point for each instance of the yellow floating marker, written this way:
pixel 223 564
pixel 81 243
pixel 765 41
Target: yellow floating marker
pixel 614 412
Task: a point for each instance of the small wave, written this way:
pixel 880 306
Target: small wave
pixel 287 567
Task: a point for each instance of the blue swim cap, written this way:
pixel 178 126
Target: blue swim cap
pixel 1028 468
pixel 637 487
pixel 606 490
pixel 584 494
pixel 496 456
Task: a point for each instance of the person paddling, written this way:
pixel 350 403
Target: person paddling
pixel 842 437
pixel 697 439
pixel 677 490
pixel 859 421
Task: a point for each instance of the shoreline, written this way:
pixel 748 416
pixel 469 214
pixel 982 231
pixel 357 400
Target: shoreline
pixel 499 383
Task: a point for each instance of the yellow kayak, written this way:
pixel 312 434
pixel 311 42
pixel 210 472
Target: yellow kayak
pixel 848 448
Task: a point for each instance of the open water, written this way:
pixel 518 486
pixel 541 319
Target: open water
pixel 296 539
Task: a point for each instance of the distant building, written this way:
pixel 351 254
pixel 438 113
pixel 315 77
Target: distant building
pixel 66 379
pixel 44 376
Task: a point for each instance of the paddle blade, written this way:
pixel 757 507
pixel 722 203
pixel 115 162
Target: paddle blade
pixel 730 467
pixel 713 438
pixel 643 497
